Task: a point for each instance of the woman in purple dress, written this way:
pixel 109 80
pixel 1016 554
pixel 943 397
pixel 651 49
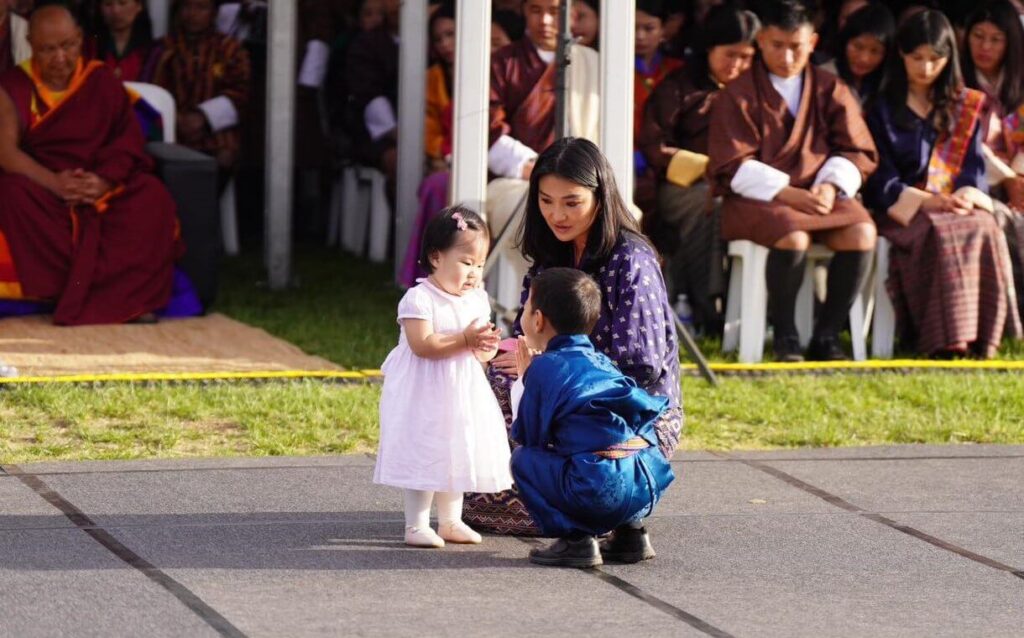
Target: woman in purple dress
pixel 575 217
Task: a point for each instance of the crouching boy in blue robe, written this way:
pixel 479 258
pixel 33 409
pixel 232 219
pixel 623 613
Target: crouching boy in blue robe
pixel 589 460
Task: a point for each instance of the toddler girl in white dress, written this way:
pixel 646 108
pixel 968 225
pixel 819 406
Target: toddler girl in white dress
pixel 441 430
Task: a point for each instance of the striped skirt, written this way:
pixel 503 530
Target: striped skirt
pixel 951 283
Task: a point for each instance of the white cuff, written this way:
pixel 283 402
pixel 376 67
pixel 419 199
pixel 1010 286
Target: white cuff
pixel 379 117
pixel 841 173
pixel 757 180
pixel 220 112
pixel 515 396
pixel 314 65
pixel 508 156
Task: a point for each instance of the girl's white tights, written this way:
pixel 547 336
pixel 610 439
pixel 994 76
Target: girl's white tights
pixel 417 508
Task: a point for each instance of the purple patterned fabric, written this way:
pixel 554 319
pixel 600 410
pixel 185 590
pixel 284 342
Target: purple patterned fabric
pixel 637 328
pixel 184 302
pixel 433 196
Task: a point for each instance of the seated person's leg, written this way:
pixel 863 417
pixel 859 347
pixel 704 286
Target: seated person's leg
pixel 784 274
pixel 853 247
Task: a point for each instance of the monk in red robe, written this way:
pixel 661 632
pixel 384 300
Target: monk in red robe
pixel 85 222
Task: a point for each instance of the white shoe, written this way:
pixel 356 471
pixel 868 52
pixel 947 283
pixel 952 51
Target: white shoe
pixel 459 532
pixel 425 537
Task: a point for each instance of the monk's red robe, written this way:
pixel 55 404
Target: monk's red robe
pixel 107 263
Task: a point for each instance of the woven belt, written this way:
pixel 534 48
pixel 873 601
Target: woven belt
pixel 625 449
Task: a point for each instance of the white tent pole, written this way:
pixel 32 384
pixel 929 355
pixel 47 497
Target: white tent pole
pixel 472 98
pixel 618 19
pixel 159 14
pixel 412 107
pixel 283 22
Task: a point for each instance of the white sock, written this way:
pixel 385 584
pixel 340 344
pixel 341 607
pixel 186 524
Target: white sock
pixel 417 508
pixel 449 507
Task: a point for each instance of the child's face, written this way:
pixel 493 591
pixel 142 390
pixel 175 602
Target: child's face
pixel 532 324
pixel 460 268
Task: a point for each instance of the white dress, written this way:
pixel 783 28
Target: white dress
pixel 441 429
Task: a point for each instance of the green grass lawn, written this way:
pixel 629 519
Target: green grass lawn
pixel 343 309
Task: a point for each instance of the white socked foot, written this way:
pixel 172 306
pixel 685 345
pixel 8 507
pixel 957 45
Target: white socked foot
pixel 422 537
pixel 459 532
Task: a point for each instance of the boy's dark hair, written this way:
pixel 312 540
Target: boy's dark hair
pixel 788 15
pixel 568 298
pixel 443 232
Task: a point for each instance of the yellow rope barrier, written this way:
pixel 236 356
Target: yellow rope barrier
pixel 875 365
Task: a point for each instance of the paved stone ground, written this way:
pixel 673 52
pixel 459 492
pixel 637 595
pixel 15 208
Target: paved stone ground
pixel 895 541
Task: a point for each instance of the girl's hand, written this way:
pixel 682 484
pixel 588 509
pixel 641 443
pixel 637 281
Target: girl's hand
pixel 481 337
pixel 947 204
pixel 505 363
pixel 524 356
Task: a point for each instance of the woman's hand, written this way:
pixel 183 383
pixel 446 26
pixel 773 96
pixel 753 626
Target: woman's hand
pixel 1015 192
pixel 947 204
pixel 505 363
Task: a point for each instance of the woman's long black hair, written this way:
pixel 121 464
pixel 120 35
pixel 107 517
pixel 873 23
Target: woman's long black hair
pixel 142 34
pixel 580 161
pixel 875 20
pixel 725 24
pixel 933 29
pixel 1003 15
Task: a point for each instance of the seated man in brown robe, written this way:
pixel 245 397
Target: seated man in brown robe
pixel 87 225
pixel 789 150
pixel 522 112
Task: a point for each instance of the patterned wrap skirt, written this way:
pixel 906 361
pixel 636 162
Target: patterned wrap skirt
pixel 505 512
pixel 951 281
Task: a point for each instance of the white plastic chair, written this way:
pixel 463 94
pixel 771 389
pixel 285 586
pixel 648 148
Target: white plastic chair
pixel 747 305
pixel 883 332
pixel 360 213
pixel 161 100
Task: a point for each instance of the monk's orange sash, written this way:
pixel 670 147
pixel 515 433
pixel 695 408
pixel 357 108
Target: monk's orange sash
pixel 948 155
pixel 51 99
pixel 10 287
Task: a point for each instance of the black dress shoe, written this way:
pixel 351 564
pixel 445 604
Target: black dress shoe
pixel 627 545
pixel 825 349
pixel 787 349
pixel 566 552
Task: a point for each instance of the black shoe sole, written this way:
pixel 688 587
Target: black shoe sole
pixel 577 563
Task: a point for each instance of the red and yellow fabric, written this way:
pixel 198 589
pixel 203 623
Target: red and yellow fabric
pixel 949 152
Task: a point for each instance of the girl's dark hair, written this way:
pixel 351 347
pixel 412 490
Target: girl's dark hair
pixel 653 8
pixel 580 161
pixel 933 29
pixel 875 20
pixel 444 10
pixel 142 33
pixel 725 24
pixel 568 298
pixel 1003 15
pixel 442 232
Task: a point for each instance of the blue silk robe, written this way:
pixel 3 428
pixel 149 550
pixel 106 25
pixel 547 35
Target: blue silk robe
pixel 576 402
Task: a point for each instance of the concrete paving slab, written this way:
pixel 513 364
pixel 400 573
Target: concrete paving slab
pixel 884 452
pixel 62 583
pixel 360 579
pixel 998 535
pixel 949 485
pixel 165 465
pixel 21 508
pixel 837 575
